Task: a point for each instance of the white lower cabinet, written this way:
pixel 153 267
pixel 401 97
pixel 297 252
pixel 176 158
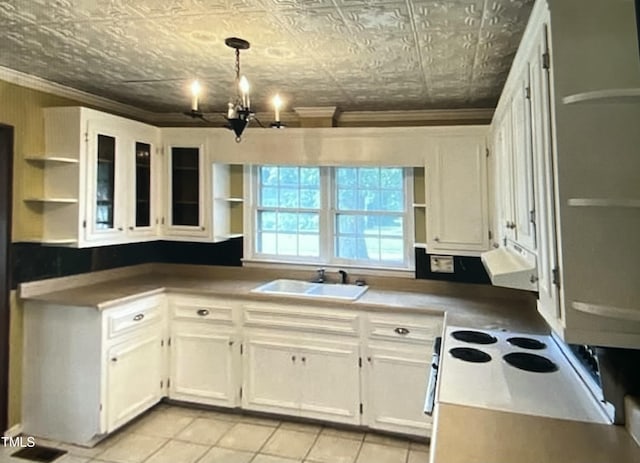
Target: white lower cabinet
pixel 134 381
pixel 314 379
pixel 204 360
pixel 395 390
pixel 89 371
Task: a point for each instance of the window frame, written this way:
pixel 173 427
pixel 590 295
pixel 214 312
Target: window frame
pixel 328 213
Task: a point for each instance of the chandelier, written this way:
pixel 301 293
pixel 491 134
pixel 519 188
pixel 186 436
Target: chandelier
pixel 239 112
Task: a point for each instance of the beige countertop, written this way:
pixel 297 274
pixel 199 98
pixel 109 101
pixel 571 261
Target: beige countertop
pixel 474 435
pixel 467 305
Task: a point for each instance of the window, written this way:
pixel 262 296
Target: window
pixel 350 216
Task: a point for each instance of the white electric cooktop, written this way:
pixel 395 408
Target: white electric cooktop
pixel 475 370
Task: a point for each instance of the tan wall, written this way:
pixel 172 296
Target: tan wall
pixel 20 108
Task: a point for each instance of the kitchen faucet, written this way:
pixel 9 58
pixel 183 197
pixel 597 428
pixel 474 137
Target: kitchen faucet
pixel 320 276
pixel 343 277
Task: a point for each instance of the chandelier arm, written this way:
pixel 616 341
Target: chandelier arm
pixel 255 118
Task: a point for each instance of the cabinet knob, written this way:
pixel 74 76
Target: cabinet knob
pixel 138 317
pixel 533 279
pixel 436 239
pixel 114 359
pixel 203 312
pixel 293 358
pixel 304 359
pixel 120 229
pixel 131 228
pixel 402 331
pixel 230 343
pixel 369 359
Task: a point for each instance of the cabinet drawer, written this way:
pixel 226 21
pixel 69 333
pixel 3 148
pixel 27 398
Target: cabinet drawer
pixel 133 316
pixel 201 308
pixel 421 329
pixel 309 319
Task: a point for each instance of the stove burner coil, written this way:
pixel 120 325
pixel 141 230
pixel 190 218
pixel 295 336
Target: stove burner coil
pixel 474 337
pixel 469 354
pixel 530 362
pixel 527 343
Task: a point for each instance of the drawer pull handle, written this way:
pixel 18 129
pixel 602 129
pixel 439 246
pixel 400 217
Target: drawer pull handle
pixel 138 317
pixel 401 331
pixel 203 312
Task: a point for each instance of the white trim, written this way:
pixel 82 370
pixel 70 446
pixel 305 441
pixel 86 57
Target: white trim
pixel 316 111
pixel 37 83
pixel 477 116
pixel 14 431
pixel 378 271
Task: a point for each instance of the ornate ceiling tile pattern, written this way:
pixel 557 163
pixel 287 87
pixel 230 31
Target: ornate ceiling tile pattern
pixel 353 54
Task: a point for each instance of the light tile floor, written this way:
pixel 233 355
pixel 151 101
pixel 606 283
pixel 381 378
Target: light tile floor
pixel 172 434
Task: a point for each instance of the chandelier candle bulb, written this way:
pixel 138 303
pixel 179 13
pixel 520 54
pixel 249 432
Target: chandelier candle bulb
pixel 195 92
pixel 277 104
pixel 244 90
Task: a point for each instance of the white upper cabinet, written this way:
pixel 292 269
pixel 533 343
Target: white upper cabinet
pixel 187 185
pixel 96 190
pixel 456 185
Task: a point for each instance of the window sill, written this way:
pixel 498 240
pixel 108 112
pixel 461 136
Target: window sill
pixel 373 271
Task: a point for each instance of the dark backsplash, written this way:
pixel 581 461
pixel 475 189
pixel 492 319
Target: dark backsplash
pixel 32 261
pixel 466 269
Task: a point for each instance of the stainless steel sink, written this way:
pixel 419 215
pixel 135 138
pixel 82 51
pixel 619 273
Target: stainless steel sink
pixel 306 289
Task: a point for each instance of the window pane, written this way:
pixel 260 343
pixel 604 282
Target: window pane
pixel 309 245
pixel 391 178
pixel 347 200
pixel 266 243
pixel 368 225
pixel 269 175
pixel 268 197
pixel 392 249
pixel 310 199
pixel 391 226
pixel 369 177
pixel 289 176
pixel 287 221
pixel 287 244
pixel 310 176
pixel 309 223
pixel 347 176
pixel 369 200
pixel 352 248
pixel 346 224
pixel 288 198
pixel 267 221
pixel 392 201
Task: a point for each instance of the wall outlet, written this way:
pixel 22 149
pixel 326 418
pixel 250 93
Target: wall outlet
pixel 442 264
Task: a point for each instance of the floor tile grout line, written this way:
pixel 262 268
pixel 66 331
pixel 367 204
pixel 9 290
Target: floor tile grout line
pixel 266 440
pixel 306 455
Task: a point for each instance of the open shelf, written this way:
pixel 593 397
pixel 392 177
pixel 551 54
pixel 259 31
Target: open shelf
pixel 51 159
pixel 229 236
pixel 419 205
pixel 612 95
pixel 231 200
pixel 420 245
pixel 608 311
pixel 52 200
pixel 57 241
pixel 604 202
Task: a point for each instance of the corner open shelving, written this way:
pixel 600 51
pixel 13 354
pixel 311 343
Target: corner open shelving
pixel 606 96
pixel 50 159
pixel 605 202
pixel 52 200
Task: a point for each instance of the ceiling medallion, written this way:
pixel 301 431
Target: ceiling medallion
pixel 239 112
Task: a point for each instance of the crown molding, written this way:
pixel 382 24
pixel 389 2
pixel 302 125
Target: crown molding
pixel 316 111
pixel 481 115
pixel 37 83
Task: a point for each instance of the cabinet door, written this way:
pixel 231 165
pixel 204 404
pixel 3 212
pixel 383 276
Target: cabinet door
pixel 504 155
pixel 548 297
pixel 105 184
pixel 203 364
pixel 187 214
pixel 330 382
pixel 143 192
pixel 134 375
pixel 456 179
pixel 395 389
pixel 523 164
pixel 271 380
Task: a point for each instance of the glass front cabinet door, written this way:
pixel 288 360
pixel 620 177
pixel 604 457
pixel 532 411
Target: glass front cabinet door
pixel 143 189
pixel 187 214
pixel 105 219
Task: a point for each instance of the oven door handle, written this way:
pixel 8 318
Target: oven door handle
pixel 430 399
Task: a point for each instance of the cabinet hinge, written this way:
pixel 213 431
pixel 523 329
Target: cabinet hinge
pixel 532 216
pixel 162 343
pixel 490 235
pixel 361 408
pixel 84 224
pixel 100 407
pixel 86 137
pixel 527 92
pixel 241 348
pixel 555 274
pixel 163 221
pixel 487 151
pixel 241 393
pixel 546 60
pixel 169 342
pixel 161 384
pixel 360 362
pixel 168 383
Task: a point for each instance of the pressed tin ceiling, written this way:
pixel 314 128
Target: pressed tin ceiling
pixel 358 55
